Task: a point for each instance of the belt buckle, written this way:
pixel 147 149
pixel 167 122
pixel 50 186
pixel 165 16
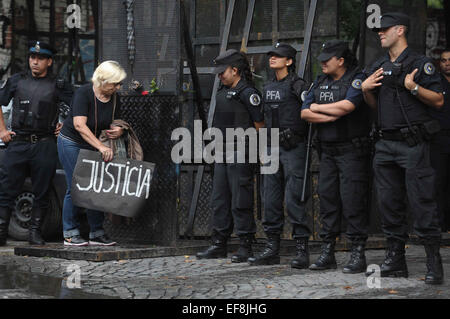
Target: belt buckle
pixel 33 138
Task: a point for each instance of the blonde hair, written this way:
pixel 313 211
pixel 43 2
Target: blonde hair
pixel 108 72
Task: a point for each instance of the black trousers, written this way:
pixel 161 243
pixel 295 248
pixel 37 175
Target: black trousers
pixel 403 172
pixel 22 158
pixel 285 186
pixel 343 191
pixel 232 200
pixel 440 160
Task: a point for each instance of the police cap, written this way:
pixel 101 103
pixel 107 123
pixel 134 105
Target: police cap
pixel 332 48
pixel 41 48
pixel 224 60
pixel 283 50
pixel 392 18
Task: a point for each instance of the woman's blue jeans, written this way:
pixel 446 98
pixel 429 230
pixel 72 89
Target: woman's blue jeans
pixel 68 154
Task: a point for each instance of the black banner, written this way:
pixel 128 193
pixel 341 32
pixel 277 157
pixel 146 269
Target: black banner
pixel 120 187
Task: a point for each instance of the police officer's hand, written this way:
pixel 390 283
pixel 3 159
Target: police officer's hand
pixel 58 128
pixel 107 153
pixel 314 107
pixel 114 133
pixel 6 136
pixel 409 80
pixel 373 81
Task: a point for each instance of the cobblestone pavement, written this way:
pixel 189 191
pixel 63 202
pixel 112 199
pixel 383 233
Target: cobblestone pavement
pixel 184 277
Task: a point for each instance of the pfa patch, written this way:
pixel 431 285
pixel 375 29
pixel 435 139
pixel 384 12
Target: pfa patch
pixel 255 99
pixel 357 84
pixel 429 68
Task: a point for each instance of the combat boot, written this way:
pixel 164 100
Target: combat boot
pixel 5 215
pixel 435 271
pixel 394 264
pixel 357 263
pixel 270 254
pixel 245 250
pixel 326 259
pixel 218 248
pixel 301 261
pixel 37 217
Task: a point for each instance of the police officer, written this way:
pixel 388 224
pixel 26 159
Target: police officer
pixel 403 85
pixel 36 94
pixel 336 105
pixel 282 104
pixel 237 106
pixel 440 146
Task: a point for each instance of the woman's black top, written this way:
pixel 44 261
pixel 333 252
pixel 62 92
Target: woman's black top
pixel 83 104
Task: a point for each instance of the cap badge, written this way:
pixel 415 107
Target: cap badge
pixel 37 47
pixel 277 45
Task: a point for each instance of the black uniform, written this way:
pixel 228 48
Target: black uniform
pixel 33 150
pixel 344 158
pixel 232 195
pixel 282 107
pixel 402 163
pixel 440 157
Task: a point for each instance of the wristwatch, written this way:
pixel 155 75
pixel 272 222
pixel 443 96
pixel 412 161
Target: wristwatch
pixel 415 91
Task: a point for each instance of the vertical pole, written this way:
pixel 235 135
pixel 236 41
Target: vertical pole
pixel 212 108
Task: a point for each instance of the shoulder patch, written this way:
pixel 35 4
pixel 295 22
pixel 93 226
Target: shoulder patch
pixel 357 84
pixel 429 68
pixel 255 99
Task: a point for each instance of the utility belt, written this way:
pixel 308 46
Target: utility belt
pixel 413 136
pixel 32 138
pixel 358 145
pixel 289 138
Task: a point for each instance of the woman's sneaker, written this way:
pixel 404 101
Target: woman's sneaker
pixel 101 241
pixel 75 241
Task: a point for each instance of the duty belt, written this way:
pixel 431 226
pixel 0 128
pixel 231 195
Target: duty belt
pixel 336 149
pixel 32 138
pixel 391 135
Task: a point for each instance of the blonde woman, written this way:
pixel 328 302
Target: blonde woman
pixel 94 107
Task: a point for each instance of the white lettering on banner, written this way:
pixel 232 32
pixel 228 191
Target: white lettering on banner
pixel 120 181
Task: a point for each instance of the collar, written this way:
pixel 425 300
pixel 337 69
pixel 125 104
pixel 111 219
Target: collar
pixel 403 55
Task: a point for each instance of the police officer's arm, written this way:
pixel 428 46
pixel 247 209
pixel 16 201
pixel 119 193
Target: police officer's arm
pixel 429 97
pixel 353 98
pixel 313 117
pixel 338 109
pixel 252 99
pixel 369 85
pixel 6 94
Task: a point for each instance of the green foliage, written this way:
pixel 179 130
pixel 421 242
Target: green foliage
pixel 349 17
pixel 153 86
pixel 436 4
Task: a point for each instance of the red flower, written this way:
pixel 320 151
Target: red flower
pixel 145 92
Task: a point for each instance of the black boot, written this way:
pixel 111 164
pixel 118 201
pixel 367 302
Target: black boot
pixel 5 215
pixel 394 264
pixel 270 254
pixel 357 263
pixel 435 274
pixel 218 248
pixel 301 261
pixel 37 217
pixel 245 250
pixel 326 259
